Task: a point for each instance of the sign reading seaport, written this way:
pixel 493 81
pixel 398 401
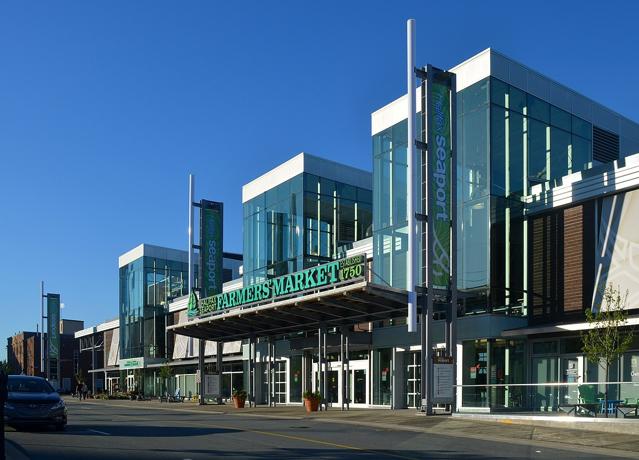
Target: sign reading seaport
pixel 334 272
pixel 439 206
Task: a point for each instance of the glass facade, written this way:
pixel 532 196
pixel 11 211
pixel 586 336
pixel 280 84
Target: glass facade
pixel 300 223
pixel 146 287
pixel 508 142
pixel 390 222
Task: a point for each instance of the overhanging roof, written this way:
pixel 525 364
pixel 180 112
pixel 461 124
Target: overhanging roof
pixel 345 305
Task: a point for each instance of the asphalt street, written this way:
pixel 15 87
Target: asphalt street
pixel 101 431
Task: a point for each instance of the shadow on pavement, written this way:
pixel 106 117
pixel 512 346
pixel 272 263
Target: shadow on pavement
pixel 132 431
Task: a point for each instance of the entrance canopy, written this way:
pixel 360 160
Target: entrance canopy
pixel 335 306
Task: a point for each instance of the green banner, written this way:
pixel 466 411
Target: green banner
pixel 211 252
pixel 322 275
pixel 439 178
pixel 53 326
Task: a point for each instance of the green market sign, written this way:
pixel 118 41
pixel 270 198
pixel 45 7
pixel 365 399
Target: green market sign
pixel 311 278
pixel 131 363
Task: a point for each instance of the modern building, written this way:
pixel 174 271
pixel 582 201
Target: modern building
pixel 126 354
pixel 546 184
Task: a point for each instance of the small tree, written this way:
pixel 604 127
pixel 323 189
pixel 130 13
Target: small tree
pixel 604 342
pixel 165 373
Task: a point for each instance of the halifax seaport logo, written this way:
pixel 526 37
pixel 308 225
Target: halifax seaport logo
pixel 441 178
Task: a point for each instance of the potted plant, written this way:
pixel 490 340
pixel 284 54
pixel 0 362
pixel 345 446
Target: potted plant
pixel 312 400
pixel 239 398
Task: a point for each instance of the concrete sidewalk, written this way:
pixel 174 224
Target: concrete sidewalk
pixel 605 436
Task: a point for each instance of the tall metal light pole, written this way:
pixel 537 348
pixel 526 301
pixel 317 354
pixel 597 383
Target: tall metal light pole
pixel 191 193
pixel 42 296
pixel 412 266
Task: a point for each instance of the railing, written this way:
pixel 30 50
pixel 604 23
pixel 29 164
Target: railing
pixel 550 397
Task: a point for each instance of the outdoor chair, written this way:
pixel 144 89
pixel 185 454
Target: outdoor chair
pixel 587 404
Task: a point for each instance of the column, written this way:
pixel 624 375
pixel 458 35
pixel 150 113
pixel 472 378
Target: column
pixel 219 355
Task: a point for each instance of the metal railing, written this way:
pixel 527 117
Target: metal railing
pixel 553 397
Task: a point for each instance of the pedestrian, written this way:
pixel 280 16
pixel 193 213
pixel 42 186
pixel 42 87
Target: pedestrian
pixel 85 390
pixel 78 390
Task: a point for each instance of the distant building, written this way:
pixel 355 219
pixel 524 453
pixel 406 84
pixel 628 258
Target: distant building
pixel 23 353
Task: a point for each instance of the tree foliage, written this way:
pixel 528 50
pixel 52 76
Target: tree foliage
pixel 607 338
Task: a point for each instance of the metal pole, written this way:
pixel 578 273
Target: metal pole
pixel 320 387
pixel 200 366
pixel 423 387
pixel 325 359
pixel 219 353
pixel 254 380
pixel 410 81
pixel 191 194
pixel 269 369
pixel 453 251
pixel 42 369
pixel 342 387
pixel 274 373
pixel 93 364
pixel 249 386
pixel 348 373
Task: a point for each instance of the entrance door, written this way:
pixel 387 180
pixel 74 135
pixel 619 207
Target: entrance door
pixel 358 382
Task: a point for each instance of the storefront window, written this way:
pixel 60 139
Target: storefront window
pixel 382 366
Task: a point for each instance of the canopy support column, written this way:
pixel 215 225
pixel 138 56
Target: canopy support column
pixel 200 368
pixel 220 351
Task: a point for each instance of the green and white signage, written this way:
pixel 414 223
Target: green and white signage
pixel 53 326
pixel 322 275
pixel 211 252
pixel 439 177
pixel 132 363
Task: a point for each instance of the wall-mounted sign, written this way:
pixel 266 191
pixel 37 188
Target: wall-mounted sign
pixel 311 278
pixel 211 385
pixel 132 363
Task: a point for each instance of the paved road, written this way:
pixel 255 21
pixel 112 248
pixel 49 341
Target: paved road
pixel 99 431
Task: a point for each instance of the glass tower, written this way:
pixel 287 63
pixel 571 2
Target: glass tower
pixel 507 142
pixel 300 223
pixel 147 284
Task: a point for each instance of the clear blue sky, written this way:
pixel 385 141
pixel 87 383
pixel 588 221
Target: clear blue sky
pixel 105 107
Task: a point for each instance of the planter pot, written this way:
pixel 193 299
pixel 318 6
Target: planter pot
pixel 311 404
pixel 238 403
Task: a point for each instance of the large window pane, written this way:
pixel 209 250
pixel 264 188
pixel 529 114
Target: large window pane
pixel 473 171
pixel 559 152
pixel 537 152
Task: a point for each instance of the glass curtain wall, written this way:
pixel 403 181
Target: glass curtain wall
pixel 147 285
pixel 390 222
pixel 508 142
pixel 300 223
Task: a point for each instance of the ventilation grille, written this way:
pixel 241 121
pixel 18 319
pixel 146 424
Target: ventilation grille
pixel 605 145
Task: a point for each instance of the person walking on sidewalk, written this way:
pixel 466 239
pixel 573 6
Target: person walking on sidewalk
pixel 84 391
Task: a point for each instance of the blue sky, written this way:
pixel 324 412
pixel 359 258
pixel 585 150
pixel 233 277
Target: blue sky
pixel 105 107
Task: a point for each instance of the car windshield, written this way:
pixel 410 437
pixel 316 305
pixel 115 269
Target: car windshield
pixel 22 385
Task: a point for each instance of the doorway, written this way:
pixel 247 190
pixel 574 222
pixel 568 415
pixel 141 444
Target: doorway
pixel 357 375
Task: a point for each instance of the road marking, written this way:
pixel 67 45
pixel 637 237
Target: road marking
pixel 104 433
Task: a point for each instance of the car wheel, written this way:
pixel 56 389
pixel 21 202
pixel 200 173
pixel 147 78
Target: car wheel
pixel 60 427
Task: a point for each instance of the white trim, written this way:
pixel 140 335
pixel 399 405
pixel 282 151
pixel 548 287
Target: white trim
pixel 572 327
pixel 305 162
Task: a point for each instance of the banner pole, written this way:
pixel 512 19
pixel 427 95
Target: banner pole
pixel 410 81
pixel 191 193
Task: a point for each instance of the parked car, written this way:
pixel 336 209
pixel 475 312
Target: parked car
pixel 33 401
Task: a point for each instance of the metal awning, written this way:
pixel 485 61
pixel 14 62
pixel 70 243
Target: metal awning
pixel 340 306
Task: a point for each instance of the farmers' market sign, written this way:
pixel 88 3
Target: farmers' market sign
pixel 311 278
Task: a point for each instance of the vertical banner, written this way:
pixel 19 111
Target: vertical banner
pixel 211 252
pixel 53 326
pixel 439 177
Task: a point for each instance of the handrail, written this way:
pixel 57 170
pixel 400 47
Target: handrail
pixel 549 384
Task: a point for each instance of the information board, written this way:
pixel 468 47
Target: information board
pixel 443 383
